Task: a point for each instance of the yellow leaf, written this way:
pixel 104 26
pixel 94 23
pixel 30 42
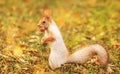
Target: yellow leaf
pixel 17 66
pixel 28 27
pixel 18 51
pixel 113 41
pixel 39 70
pixel 12 32
pixel 5 67
pixel 92 3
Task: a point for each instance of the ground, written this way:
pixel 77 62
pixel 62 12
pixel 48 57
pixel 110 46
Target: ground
pixel 81 22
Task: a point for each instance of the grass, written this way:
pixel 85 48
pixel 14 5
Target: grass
pixel 82 22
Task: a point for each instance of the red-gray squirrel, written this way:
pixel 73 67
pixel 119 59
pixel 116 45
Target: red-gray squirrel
pixel 59 54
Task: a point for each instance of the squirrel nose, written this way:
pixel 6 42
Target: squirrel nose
pixel 38 24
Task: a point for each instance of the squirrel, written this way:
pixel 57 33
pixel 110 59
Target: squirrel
pixel 59 54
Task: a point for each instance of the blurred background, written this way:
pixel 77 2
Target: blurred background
pixel 82 22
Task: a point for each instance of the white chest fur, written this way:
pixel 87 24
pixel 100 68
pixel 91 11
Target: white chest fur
pixel 59 53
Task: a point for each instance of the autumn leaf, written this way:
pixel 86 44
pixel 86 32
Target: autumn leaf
pixel 17 51
pixel 12 32
pixel 91 3
pixel 39 69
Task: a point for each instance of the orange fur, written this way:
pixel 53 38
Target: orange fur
pixel 45 21
pixel 48 39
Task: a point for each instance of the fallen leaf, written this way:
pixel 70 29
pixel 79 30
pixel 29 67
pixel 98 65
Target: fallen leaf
pixel 92 3
pixel 39 69
pixel 18 51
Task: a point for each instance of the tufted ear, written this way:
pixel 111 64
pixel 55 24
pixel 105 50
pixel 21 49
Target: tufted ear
pixel 47 13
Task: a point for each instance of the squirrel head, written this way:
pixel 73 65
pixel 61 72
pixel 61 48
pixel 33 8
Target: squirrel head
pixel 46 20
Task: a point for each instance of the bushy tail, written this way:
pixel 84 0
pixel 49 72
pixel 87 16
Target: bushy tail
pixel 84 54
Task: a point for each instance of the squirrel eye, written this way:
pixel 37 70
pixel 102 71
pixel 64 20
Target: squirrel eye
pixel 43 22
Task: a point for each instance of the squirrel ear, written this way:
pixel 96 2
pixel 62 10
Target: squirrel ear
pixel 47 13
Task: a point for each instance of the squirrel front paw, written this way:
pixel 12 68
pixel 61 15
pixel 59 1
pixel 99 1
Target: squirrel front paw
pixel 43 42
